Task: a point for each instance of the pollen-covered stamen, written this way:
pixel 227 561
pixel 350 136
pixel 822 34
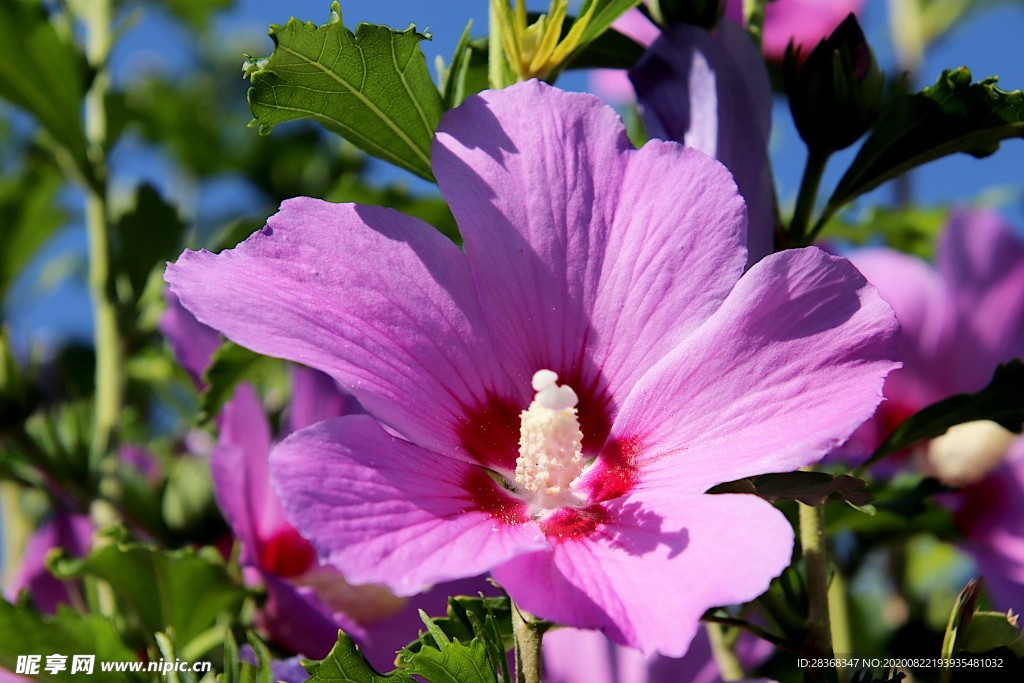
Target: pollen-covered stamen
pixel 550 443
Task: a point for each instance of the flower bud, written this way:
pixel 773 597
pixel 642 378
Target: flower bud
pixel 703 13
pixel 836 93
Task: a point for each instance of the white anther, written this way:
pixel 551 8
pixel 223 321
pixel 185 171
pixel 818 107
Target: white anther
pixel 550 443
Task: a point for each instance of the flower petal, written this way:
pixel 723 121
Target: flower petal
pixel 383 510
pixel 315 397
pixel 295 618
pixel 240 469
pixel 380 301
pixel 590 258
pixel 712 93
pixel 982 261
pixel 664 557
pixel 66 530
pixel 192 342
pixel 791 364
pixel 925 310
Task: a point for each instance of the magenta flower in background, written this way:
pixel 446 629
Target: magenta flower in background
pixel 66 530
pixel 552 403
pixel 960 319
pixel 574 656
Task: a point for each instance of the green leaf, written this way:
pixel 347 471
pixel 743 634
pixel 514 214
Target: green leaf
pixel 610 50
pixel 605 13
pixel 198 13
pixel 450 661
pixel 453 89
pixel 42 72
pixel 144 238
pixel 911 229
pixel 372 88
pixel 989 630
pixel 467 615
pixel 954 115
pixel 810 488
pixel 230 365
pixel 184 590
pixel 1001 401
pixel 32 214
pixel 23 631
pixel 346 664
pixel 960 617
pixel 237 671
pixel 188 502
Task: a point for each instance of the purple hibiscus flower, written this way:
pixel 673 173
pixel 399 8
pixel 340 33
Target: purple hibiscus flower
pixel 552 403
pixel 960 320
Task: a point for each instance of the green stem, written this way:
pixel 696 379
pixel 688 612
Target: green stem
pixel 812 541
pixel 495 50
pixel 528 633
pixel 815 168
pixel 839 618
pixel 729 664
pixel 97 17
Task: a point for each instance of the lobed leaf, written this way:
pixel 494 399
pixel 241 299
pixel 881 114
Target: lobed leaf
pixel 185 590
pixel 371 87
pixel 346 664
pixel 954 115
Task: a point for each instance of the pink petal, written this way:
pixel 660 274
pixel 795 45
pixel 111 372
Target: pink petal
pixel 383 510
pixel 241 473
pixel 380 301
pixel 925 310
pixel 316 397
pixel 805 22
pixel 783 373
pixel 192 342
pixel 712 93
pixel 591 258
pixel 663 558
pixel 576 656
pixel 634 24
pixel 982 261
pixel 295 618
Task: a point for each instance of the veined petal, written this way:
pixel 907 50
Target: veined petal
pixel 712 93
pixel 383 510
pixel 648 574
pixel 791 364
pixel 590 258
pixel 380 301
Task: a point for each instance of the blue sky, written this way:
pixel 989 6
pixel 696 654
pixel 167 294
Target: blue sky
pixel 989 43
